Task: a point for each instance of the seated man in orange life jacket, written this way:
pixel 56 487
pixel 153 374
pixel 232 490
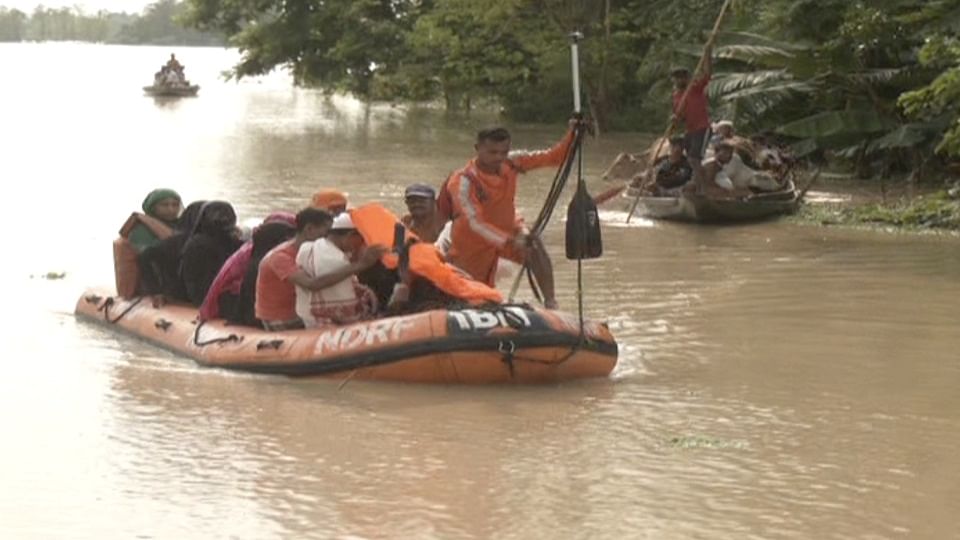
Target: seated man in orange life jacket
pixel 481 204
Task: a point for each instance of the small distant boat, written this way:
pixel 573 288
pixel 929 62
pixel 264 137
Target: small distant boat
pixel 172 90
pixel 702 209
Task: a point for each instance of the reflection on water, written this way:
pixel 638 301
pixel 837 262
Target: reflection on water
pixel 774 381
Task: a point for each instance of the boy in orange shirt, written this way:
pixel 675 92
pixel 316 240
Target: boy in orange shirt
pixel 482 206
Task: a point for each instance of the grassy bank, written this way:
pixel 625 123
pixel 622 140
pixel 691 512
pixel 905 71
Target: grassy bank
pixel 940 210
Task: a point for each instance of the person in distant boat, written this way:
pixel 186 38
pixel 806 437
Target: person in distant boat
pixel 333 294
pixel 160 263
pixel 727 171
pixel 673 171
pixel 423 218
pixel 331 200
pixel 722 131
pixel 214 239
pixel 278 274
pixel 161 204
pixel 225 289
pixel 695 114
pixel 485 222
pixel 173 64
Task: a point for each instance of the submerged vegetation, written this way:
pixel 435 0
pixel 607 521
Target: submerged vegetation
pixel 939 210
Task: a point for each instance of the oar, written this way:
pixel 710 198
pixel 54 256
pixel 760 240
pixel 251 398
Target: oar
pixel 608 194
pixel 683 98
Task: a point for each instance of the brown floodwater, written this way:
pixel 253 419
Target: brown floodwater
pixel 775 380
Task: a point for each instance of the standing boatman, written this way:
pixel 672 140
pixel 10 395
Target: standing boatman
pixel 695 112
pixel 482 203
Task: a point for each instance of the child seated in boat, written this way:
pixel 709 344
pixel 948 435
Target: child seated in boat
pixel 336 295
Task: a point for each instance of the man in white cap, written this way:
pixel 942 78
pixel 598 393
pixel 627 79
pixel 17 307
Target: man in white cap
pixel 722 131
pixel 335 296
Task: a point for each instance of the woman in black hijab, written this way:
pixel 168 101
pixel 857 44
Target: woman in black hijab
pixel 160 263
pixel 265 238
pixel 213 239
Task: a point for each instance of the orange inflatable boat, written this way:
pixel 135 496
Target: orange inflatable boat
pixel 505 344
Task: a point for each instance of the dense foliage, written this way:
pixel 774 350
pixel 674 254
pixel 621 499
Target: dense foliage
pixel 157 25
pixel 874 82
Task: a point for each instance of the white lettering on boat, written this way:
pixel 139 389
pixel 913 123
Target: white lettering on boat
pixel 363 335
pixel 474 319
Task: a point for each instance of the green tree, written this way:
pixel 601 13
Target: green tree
pixel 333 44
pixel 13 24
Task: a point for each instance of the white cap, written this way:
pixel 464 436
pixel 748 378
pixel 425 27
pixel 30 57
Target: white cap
pixel 343 222
pixel 722 123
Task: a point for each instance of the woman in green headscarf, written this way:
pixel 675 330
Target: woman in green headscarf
pixel 162 205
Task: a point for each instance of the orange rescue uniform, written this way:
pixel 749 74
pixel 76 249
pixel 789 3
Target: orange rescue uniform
pixel 484 211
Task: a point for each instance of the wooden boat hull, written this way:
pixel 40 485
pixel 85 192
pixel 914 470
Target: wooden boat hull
pixel 701 209
pixel 172 91
pixel 508 344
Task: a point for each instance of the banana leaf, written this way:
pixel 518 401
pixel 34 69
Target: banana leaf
pixel 837 123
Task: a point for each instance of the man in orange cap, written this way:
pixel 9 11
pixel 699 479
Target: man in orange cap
pixel 482 206
pixel 331 200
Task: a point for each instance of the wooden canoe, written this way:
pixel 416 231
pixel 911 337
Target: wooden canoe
pixel 702 209
pixel 172 91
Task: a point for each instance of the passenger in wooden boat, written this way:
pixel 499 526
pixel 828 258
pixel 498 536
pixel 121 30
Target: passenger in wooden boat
pixel 485 222
pixel 278 274
pixel 333 293
pixel 331 200
pixel 423 218
pixel 727 171
pixel 673 171
pixel 213 240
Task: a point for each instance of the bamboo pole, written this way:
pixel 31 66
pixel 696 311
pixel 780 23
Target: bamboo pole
pixel 683 99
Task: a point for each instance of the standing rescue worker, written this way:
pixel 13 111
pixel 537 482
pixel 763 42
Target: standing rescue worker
pixel 483 209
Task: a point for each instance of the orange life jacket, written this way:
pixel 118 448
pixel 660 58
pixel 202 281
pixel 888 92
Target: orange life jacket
pixel 126 271
pixel 376 224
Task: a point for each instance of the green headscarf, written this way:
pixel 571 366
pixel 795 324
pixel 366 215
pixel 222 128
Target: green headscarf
pixel 156 196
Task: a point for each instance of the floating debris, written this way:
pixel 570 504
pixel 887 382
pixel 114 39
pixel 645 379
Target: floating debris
pixel 703 442
pixel 52 276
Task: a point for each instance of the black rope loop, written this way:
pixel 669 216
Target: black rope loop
pixel 110 302
pixel 271 344
pixel 228 339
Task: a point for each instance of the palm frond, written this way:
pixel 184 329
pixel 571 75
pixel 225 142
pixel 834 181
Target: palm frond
pixel 753 53
pixel 836 123
pixel 749 38
pixel 785 89
pixel 726 83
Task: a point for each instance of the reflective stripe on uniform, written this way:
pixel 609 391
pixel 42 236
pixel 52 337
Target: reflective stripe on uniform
pixel 489 233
